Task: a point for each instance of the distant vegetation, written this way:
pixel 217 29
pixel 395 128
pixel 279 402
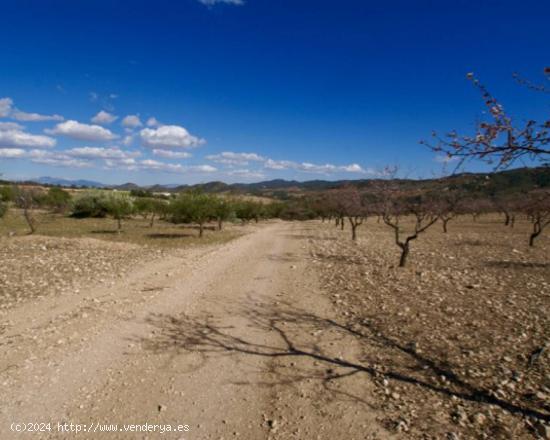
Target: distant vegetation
pixel 408 207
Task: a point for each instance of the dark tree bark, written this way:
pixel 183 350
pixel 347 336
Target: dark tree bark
pixel 355 221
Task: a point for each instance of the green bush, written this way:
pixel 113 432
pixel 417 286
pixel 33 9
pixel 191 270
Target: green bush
pixel 58 199
pixel 7 193
pixel 90 204
pixel 3 208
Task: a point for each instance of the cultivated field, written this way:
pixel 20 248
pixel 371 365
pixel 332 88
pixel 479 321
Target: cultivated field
pixel 277 330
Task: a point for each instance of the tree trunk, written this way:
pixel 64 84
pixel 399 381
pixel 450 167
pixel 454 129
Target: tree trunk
pixel 29 220
pixel 201 227
pixel 445 221
pixel 337 221
pixel 536 232
pixel 152 220
pixel 512 221
pixel 119 222
pixel 404 254
pixel 342 223
pixel 506 219
pixel 220 224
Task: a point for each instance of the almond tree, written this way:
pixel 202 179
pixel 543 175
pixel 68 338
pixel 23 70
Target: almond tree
pixel 476 206
pixel 424 215
pixel 507 205
pixel 500 140
pixel 447 207
pixel 352 206
pixel 28 199
pixel 537 208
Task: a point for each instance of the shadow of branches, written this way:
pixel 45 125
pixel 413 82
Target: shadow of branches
pixel 300 334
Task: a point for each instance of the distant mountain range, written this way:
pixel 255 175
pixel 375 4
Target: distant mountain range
pixel 45 180
pixel 519 179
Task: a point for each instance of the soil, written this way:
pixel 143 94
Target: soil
pixel 291 331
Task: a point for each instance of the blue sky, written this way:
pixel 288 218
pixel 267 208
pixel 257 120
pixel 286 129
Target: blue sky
pixel 185 91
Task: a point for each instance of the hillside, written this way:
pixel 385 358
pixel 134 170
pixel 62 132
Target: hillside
pixel 515 180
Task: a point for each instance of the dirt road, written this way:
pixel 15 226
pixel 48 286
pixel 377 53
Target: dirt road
pixel 229 340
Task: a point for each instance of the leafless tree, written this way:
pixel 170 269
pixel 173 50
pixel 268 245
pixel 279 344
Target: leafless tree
pixel 27 199
pixel 537 207
pixel 447 206
pixel 499 141
pixel 507 205
pixel 424 215
pixel 353 207
pixel 476 206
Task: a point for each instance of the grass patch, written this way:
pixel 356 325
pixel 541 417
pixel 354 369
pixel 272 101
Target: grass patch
pixel 135 230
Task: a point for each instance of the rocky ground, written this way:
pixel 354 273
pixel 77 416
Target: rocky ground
pixel 458 342
pixel 291 331
pixel 34 267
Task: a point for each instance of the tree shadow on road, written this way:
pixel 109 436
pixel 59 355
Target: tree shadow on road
pixel 314 339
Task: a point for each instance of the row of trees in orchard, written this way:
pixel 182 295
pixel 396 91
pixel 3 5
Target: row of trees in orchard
pixel 188 207
pixel 409 215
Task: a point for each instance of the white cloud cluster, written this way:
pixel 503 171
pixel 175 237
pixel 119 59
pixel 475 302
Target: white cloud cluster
pixel 169 136
pixel 153 122
pixel 101 153
pixel 104 118
pixel 247 174
pixel 232 159
pixel 131 122
pixel 10 126
pixel 34 117
pixel 55 158
pixel 5 107
pixel 80 131
pixel 8 110
pixel 155 165
pixel 169 154
pixel 12 135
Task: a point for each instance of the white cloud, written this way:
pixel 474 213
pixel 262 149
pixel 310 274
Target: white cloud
pixel 279 164
pixel 150 164
pixel 353 168
pixel 15 137
pixel 34 117
pixel 128 163
pixel 104 118
pixel 12 153
pixel 169 136
pixel 247 174
pixel 153 122
pixel 54 158
pixel 203 169
pixel 62 161
pixel 86 132
pixel 5 107
pixel 10 126
pixel 128 140
pixel 215 2
pixel 7 110
pixel 308 167
pixel 131 121
pixel 230 158
pixel 171 154
pixel 101 153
